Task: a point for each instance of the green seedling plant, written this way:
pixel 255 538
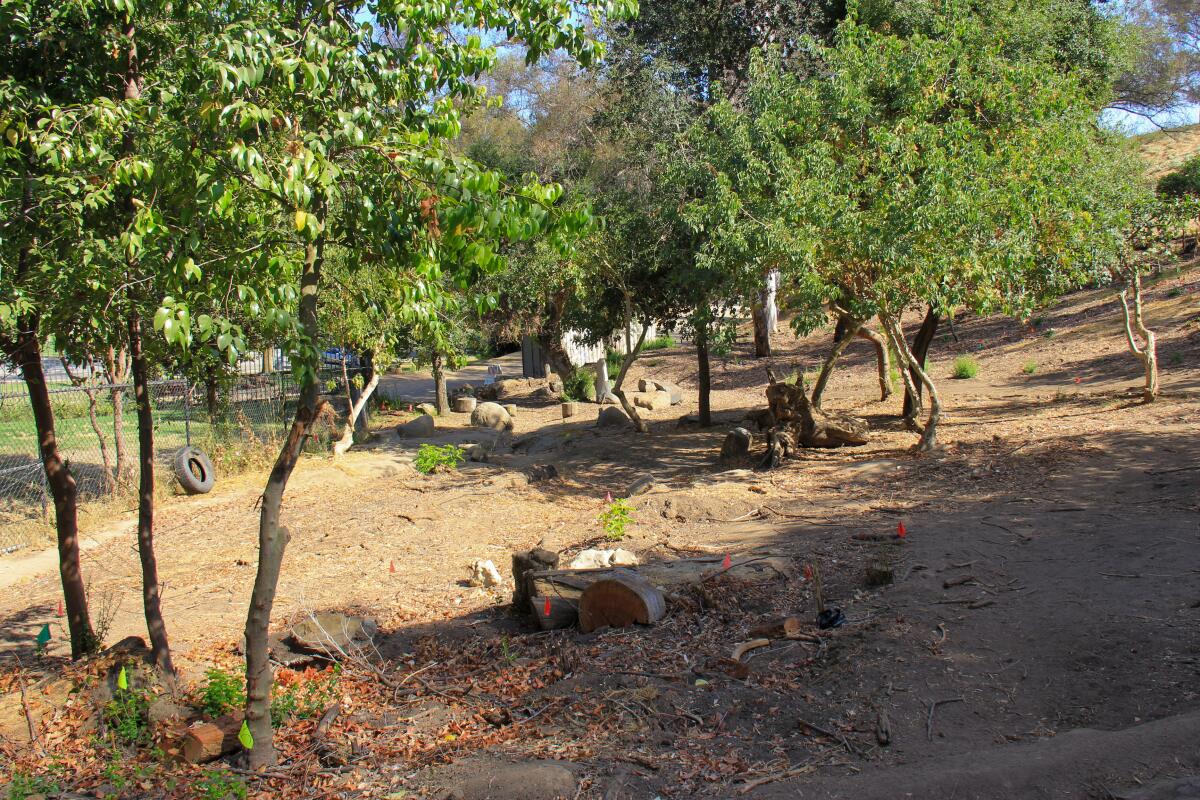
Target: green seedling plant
pixel 431 458
pixel 219 784
pixel 965 368
pixel 1030 367
pixel 615 519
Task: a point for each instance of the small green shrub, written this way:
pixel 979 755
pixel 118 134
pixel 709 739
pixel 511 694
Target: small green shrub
pixel 965 367
pixel 302 695
pixel 23 785
pixel 659 343
pixel 431 458
pixel 1182 182
pixel 223 692
pixel 219 784
pixel 580 386
pixel 1030 367
pixel 127 717
pixel 615 519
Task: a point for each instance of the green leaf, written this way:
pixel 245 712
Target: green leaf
pixel 245 737
pixel 301 219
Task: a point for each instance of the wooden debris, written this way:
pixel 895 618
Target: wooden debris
pixel 734 668
pixel 563 612
pixel 523 563
pixel 960 581
pixel 786 628
pixel 211 740
pixel 570 583
pixel 883 729
pixel 742 648
pixel 619 600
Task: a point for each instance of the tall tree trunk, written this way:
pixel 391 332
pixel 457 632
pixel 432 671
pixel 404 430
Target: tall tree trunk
pixel 441 396
pixel 212 393
pixel 272 537
pixel 920 350
pixel 89 389
pixel 26 351
pixel 847 327
pixel 895 332
pixel 116 364
pixel 151 598
pixel 1147 351
pixel 762 331
pixel 703 372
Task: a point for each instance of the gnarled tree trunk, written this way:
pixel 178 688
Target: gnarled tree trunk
pixel 919 350
pixel 895 332
pixel 631 356
pixel 272 537
pixel 846 330
pixel 441 398
pixel 703 372
pixel 1147 350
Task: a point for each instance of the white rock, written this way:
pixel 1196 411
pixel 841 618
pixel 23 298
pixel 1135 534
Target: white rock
pixel 484 573
pixel 595 558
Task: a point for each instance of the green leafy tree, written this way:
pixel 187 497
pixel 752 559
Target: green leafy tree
pixel 948 162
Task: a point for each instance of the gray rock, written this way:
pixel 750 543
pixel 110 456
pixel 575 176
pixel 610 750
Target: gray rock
pixel 613 417
pixel 672 389
pixel 643 484
pixel 736 446
pixel 162 710
pixel 329 632
pixel 429 409
pixel 647 385
pixel 418 428
pixel 491 415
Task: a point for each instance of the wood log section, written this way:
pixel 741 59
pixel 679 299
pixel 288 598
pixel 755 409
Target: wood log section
pixel 570 584
pixel 211 740
pixel 523 563
pixel 619 600
pixel 563 612
pixel 786 628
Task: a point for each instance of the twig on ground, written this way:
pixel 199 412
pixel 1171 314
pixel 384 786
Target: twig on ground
pixel 776 776
pixel 933 705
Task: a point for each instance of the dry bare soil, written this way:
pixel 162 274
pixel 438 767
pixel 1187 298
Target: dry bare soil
pixel 1041 637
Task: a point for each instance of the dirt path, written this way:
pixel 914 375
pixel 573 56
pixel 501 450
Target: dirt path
pixel 1072 508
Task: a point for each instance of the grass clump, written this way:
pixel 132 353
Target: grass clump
pixel 1030 367
pixel 965 368
pixel 219 784
pixel 431 458
pixel 615 519
pixel 298 695
pixel 659 343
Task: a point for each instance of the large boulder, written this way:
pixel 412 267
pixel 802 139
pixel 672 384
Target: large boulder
pixel 736 447
pixel 329 632
pixel 429 409
pixel 652 401
pixel 418 428
pixel 595 558
pixel 491 415
pixel 613 417
pixel 652 385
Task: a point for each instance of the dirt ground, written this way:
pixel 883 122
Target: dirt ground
pixel 1049 581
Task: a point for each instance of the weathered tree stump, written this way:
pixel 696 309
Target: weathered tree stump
pixel 570 409
pixel 524 563
pixel 211 740
pixel 620 600
pixel 800 424
pixel 464 404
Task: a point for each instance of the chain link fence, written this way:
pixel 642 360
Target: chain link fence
pixel 238 424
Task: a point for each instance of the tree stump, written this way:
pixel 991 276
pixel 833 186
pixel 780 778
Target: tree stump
pixel 211 740
pixel 570 409
pixel 620 600
pixel 464 404
pixel 522 564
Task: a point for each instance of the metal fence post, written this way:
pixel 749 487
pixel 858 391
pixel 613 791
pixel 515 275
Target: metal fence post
pixel 187 412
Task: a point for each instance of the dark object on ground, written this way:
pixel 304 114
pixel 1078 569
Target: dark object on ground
pixel 522 564
pixel 831 618
pixel 620 600
pixel 564 613
pixel 194 470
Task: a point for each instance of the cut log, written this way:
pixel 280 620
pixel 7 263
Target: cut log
pixel 570 583
pixel 522 564
pixel 211 740
pixel 564 613
pixel 620 600
pixel 742 648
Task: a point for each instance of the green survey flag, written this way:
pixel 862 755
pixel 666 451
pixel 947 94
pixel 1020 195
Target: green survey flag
pixel 122 679
pixel 245 737
pixel 43 635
